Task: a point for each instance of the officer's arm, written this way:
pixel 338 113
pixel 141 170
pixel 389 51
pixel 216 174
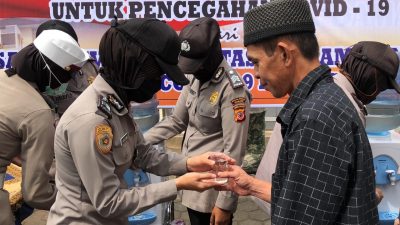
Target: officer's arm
pixel 161 163
pixel 173 124
pixel 235 107
pixel 97 173
pixel 37 153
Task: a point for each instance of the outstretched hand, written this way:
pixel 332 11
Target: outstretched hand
pixel 205 162
pixel 196 181
pixel 239 181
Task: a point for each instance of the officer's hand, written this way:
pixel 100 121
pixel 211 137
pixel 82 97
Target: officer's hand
pixel 397 222
pixel 239 181
pixel 205 162
pixel 220 217
pixel 196 181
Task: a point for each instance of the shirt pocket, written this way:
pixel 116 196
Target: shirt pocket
pixel 123 148
pixel 208 117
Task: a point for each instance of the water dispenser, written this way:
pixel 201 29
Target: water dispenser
pixel 146 115
pixel 382 125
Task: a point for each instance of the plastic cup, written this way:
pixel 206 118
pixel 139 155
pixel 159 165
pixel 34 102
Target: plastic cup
pixel 220 166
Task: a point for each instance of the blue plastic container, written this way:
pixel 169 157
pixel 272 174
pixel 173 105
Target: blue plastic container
pixel 144 218
pixel 146 115
pixel 387 218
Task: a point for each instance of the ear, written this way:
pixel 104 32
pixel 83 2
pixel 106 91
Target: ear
pixel 286 53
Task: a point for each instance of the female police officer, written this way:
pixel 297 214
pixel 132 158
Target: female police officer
pixel 96 140
pixel 26 121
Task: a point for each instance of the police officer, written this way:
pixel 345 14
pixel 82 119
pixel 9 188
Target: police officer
pixel 27 121
pixel 97 141
pixel 213 110
pixel 82 76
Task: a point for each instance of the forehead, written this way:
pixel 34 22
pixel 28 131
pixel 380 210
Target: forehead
pixel 255 52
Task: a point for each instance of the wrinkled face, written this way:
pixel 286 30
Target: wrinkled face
pixel 270 70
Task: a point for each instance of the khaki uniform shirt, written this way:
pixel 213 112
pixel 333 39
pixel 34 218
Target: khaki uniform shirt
pixel 268 163
pixel 216 118
pixel 26 129
pixel 93 150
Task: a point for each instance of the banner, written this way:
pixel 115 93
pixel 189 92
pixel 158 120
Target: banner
pixel 339 24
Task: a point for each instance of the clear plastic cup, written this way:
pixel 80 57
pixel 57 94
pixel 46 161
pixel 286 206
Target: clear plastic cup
pixel 220 166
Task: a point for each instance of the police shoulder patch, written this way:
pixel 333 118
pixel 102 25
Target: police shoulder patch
pixel 239 113
pixel 239 109
pixel 103 138
pixel 234 79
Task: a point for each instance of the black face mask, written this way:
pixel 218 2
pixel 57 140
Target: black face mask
pixel 210 65
pixel 203 75
pixel 146 91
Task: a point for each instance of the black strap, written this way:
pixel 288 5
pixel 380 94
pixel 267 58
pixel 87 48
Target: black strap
pixel 93 65
pixel 10 72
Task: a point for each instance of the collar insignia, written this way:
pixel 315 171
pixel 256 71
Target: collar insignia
pixel 185 46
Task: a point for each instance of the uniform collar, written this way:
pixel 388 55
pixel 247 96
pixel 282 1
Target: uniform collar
pixel 302 91
pixel 217 76
pixel 220 72
pixel 104 89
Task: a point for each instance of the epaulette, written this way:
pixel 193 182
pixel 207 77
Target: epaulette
pixel 104 106
pixel 234 79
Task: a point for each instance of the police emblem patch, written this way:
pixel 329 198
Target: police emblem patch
pixel 214 97
pixel 239 113
pixel 239 109
pixel 103 138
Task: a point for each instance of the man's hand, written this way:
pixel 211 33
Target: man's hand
pixel 379 195
pixel 220 217
pixel 205 162
pixel 196 181
pixel 243 184
pixel 239 181
pixel 397 222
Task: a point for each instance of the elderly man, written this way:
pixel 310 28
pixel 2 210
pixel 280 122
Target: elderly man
pixel 324 173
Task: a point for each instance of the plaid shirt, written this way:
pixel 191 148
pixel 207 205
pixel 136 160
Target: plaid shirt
pixel 324 173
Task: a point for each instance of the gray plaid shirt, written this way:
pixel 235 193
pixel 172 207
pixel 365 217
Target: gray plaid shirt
pixel 324 173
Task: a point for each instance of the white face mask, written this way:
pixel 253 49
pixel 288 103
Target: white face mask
pixel 53 91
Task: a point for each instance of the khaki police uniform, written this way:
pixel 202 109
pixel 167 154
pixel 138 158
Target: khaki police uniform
pixel 96 141
pixel 215 116
pixel 25 130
